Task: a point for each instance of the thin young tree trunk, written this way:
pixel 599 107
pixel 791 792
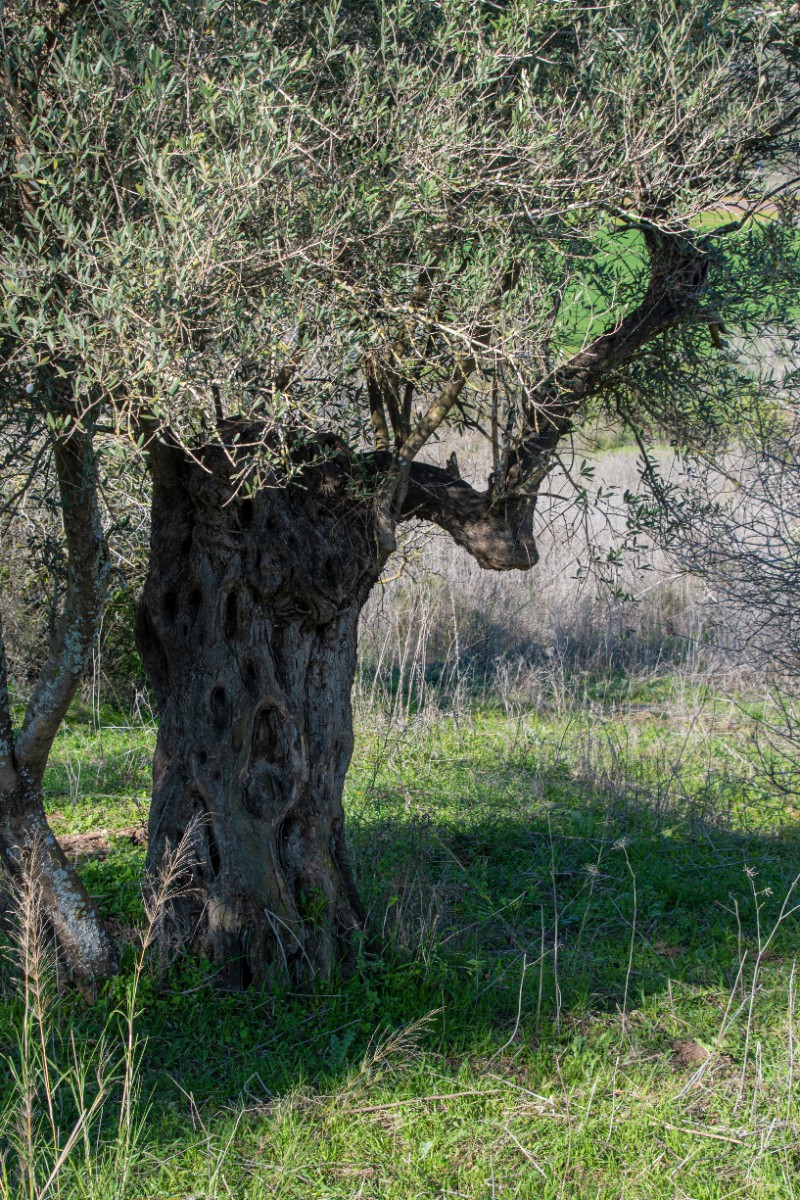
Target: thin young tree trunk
pixel 28 848
pixel 248 627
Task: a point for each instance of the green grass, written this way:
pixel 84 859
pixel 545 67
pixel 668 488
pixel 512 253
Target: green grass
pixel 611 279
pixel 557 896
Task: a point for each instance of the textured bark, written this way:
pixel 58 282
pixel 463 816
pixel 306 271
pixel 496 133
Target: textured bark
pixel 499 536
pixel 28 849
pixel 247 627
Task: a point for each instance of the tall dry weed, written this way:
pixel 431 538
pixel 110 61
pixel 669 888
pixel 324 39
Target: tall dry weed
pixel 73 1118
pixel 440 625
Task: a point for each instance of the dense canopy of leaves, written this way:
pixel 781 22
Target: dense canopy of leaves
pixel 370 217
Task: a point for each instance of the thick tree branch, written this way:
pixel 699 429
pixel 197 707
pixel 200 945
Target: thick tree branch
pixel 496 526
pixel 408 381
pixel 438 410
pixel 678 270
pixel 74 635
pixel 499 537
pixel 386 383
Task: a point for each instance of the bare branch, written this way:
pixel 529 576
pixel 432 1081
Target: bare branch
pixel 376 395
pixel 440 408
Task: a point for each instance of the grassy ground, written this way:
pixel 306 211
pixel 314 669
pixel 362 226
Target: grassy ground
pixel 584 991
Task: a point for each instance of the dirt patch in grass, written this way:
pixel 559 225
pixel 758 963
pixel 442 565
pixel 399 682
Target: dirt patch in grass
pixel 78 846
pixel 97 843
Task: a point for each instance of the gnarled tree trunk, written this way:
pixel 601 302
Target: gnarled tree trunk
pixel 247 627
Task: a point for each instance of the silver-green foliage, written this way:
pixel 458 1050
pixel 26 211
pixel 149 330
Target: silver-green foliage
pixel 214 208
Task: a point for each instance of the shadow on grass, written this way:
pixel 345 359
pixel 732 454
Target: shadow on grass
pixel 513 904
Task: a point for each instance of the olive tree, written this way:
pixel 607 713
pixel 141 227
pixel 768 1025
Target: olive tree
pixel 279 249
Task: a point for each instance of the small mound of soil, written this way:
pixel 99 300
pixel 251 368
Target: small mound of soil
pixel 688 1053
